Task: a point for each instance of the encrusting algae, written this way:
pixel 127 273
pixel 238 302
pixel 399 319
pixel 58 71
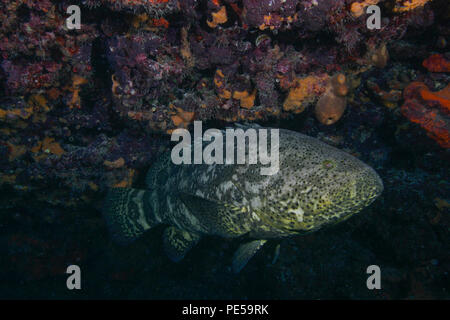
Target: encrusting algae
pixel 303 91
pixel 218 17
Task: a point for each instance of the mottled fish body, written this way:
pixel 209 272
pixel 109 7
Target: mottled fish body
pixel 316 185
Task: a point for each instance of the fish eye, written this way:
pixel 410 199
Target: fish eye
pixel 328 164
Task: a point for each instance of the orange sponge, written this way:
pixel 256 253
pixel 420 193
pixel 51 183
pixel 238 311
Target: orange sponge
pixel 331 105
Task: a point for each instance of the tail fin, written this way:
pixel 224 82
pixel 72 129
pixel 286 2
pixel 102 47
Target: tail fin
pixel 127 213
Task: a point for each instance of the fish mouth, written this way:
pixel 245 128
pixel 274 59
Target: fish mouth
pixel 355 197
pixel 376 188
pixel 299 232
pixel 369 185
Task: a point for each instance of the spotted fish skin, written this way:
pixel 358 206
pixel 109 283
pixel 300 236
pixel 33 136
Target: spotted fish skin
pixel 316 185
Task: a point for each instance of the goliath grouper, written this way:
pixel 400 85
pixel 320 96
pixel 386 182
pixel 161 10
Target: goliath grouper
pixel 316 185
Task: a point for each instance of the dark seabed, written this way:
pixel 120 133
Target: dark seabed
pixel 82 111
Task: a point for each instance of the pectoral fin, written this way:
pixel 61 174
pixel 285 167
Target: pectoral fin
pixel 221 219
pixel 276 254
pixel 244 253
pixel 178 242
